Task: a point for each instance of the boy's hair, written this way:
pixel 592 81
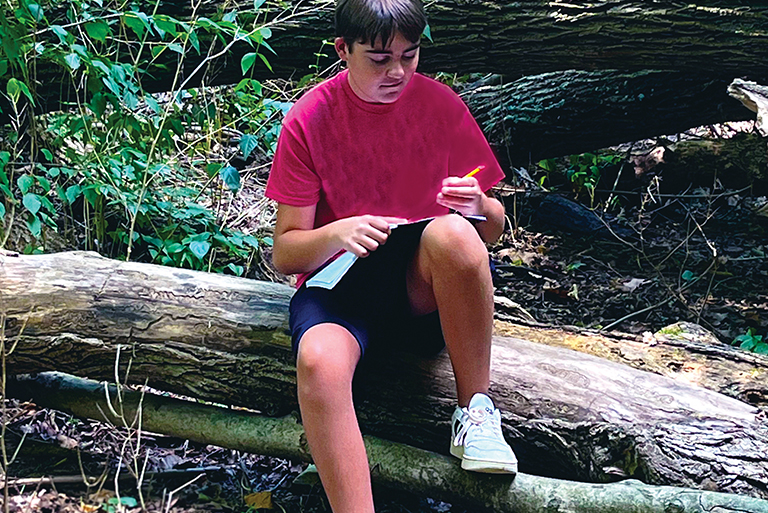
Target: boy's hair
pixel 368 21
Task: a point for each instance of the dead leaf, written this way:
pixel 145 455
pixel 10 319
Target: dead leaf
pixel 644 163
pixel 633 284
pixel 66 442
pixel 259 500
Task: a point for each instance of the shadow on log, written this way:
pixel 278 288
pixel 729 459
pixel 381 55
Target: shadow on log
pixel 394 465
pixel 220 338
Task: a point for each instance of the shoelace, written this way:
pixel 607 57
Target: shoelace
pixel 474 417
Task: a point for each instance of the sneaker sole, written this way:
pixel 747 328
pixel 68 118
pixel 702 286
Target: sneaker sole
pixel 457 450
pixel 489 467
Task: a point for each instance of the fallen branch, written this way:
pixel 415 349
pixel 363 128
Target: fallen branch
pixel 392 464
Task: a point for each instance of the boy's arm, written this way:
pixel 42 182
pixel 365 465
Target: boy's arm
pixel 301 248
pixel 465 195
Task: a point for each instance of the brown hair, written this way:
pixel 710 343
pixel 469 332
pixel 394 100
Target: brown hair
pixel 367 21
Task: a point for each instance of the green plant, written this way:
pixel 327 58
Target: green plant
pixel 123 167
pixel 583 171
pixel 749 341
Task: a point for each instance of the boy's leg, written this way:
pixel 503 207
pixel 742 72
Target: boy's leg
pixel 450 273
pixel 327 357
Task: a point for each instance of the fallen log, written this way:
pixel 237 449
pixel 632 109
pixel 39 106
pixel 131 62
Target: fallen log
pixel 553 114
pixel 394 465
pixel 515 39
pixel 221 338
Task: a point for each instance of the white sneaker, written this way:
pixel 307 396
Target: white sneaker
pixel 476 438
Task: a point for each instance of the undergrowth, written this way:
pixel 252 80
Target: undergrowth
pixel 115 168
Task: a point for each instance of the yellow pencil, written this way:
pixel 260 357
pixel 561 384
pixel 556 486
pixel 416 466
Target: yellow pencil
pixel 474 171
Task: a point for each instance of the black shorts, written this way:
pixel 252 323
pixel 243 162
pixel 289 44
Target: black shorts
pixel 371 301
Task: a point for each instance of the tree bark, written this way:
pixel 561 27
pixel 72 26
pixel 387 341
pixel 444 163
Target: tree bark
pixel 221 338
pixel 724 39
pixel 395 465
pixel 555 114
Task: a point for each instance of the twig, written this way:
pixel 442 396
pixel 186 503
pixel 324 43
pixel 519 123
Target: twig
pixel 638 312
pixel 170 494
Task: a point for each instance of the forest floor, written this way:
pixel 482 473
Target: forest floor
pixel 698 255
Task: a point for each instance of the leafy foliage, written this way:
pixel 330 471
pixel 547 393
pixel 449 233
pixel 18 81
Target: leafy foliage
pixel 750 341
pixel 583 171
pixel 132 169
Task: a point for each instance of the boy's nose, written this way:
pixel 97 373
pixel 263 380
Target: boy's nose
pixel 396 70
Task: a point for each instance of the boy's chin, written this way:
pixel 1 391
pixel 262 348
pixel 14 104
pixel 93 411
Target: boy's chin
pixel 388 96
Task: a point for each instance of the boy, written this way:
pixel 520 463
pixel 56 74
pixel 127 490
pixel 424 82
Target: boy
pixel 368 149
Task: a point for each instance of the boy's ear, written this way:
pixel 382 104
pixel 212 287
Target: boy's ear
pixel 342 50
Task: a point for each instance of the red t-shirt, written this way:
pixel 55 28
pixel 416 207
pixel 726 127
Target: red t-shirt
pixel 353 158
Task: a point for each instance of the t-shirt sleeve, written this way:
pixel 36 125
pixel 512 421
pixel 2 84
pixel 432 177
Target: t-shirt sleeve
pixel 469 149
pixel 292 179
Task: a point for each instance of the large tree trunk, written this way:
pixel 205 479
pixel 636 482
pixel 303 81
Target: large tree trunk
pixel 220 338
pixel 396 465
pixel 720 40
pixel 544 115
pixel 555 114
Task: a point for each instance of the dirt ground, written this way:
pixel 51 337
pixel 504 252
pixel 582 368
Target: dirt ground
pixel 697 254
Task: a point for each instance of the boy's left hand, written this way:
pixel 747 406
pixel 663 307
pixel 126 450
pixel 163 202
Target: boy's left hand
pixel 462 194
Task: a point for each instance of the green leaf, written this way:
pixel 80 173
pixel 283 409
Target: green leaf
pixel 44 183
pixel 199 248
pixel 688 276
pixel 247 61
pixel 231 178
pixel 762 348
pixel 2 211
pixel 13 88
pixel 238 270
pixel 265 32
pixel 60 32
pixel 230 17
pixel 72 60
pixel 98 30
pixel 213 168
pixel 3 67
pixel 748 345
pixel 248 143
pixel 166 24
pixel 257 4
pixel 428 33
pixel 36 11
pixel 269 66
pixel 176 47
pixel 129 502
pixel 32 203
pixel 135 23
pixel 35 226
pixel 25 182
pixel 194 41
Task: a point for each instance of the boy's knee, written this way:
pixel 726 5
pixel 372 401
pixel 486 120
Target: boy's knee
pixel 453 239
pixel 327 356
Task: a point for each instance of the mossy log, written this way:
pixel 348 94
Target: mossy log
pixel 392 464
pixel 567 414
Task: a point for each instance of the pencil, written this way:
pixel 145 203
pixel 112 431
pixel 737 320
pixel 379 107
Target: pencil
pixel 474 171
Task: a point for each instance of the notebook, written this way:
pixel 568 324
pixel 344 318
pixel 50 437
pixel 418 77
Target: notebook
pixel 331 274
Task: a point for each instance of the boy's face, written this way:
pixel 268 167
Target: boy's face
pixel 379 74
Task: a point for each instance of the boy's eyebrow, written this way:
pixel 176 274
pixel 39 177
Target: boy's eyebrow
pixel 387 52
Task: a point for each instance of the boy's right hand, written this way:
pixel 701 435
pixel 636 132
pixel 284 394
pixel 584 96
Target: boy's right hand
pixel 363 234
